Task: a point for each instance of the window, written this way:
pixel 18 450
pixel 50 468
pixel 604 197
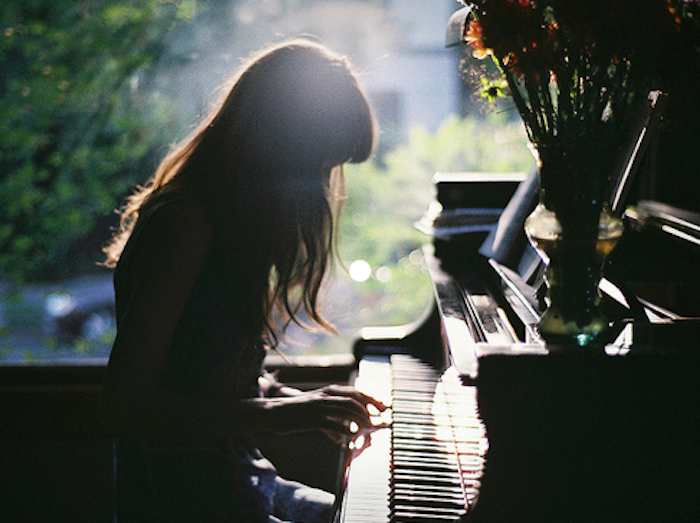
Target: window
pixel 91 94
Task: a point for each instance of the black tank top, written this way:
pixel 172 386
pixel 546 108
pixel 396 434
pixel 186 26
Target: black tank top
pixel 211 356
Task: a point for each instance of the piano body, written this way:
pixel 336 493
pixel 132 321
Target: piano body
pixel 492 425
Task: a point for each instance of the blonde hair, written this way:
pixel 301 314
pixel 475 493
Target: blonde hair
pixel 265 163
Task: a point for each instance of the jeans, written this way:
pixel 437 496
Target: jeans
pixel 294 502
pixel 209 482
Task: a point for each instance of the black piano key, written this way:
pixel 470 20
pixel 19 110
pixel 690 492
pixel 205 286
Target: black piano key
pixel 428 434
pixel 413 498
pixel 431 418
pixel 414 513
pixel 426 489
pixel 447 462
pixel 418 476
pixel 412 405
pixel 417 500
pixel 453 496
pixel 428 445
pixel 427 466
pixel 432 454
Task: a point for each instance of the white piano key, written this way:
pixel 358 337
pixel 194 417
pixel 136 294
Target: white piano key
pixel 365 499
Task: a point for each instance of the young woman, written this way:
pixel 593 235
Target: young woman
pixel 230 239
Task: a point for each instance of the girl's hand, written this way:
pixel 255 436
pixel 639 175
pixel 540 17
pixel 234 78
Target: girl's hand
pixel 340 411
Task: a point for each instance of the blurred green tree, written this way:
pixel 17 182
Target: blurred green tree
pixel 387 196
pixel 78 117
pixel 91 93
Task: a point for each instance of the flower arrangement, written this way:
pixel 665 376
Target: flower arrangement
pixel 577 72
pixel 575 69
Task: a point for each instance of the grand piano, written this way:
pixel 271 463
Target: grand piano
pixel 489 423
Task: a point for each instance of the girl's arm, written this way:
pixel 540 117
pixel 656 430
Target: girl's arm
pixel 166 261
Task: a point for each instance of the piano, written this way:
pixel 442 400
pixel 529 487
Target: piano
pixel 489 424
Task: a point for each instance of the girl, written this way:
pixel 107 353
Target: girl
pixel 232 237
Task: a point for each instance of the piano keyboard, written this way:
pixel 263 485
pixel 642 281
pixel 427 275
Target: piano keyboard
pixel 427 465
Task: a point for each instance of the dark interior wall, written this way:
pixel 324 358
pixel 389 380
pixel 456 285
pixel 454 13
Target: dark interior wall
pixel 56 479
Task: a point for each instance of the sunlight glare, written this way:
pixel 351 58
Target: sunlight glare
pixel 360 270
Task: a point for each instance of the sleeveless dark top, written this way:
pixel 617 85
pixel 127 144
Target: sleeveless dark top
pixel 221 479
pixel 210 356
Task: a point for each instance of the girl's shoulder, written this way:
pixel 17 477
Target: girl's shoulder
pixel 175 211
pixel 175 202
pixel 168 223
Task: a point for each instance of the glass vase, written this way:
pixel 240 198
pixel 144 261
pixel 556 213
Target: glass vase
pixel 573 231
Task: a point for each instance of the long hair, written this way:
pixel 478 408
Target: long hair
pixel 266 164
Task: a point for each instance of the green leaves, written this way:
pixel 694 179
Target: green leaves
pixel 386 197
pixel 79 118
pixel 493 89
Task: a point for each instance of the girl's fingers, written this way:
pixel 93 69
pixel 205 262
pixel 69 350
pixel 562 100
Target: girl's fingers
pixel 345 407
pixel 343 414
pixel 351 418
pixel 364 399
pixel 341 426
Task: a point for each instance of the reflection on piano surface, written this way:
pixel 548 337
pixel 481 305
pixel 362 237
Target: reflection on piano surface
pixel 607 435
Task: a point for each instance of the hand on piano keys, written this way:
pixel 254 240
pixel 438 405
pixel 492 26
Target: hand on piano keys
pixel 361 438
pixel 342 412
